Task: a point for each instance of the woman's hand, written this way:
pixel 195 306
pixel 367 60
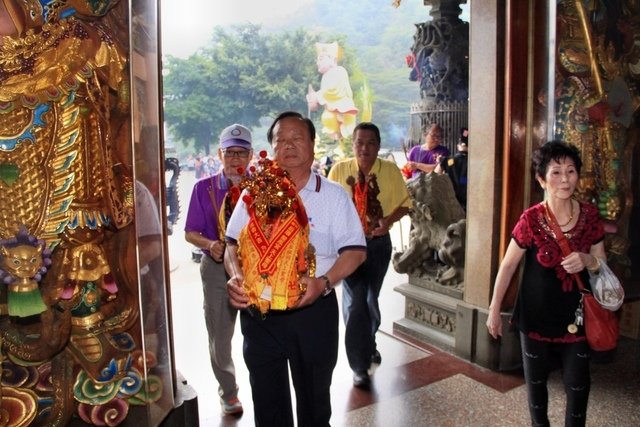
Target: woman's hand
pixel 575 262
pixel 238 297
pixel 494 323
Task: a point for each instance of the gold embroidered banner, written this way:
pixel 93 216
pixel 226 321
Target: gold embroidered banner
pixel 271 264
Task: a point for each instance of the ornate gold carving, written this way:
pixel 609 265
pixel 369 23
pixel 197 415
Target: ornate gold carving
pixel 90 346
pixel 64 151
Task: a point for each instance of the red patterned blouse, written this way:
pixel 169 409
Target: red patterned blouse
pixel 548 296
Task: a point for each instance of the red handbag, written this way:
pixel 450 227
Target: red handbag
pixel 600 325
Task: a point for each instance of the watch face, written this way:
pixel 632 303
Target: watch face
pixel 327 285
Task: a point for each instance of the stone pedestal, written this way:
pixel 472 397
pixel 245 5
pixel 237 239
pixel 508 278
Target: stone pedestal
pixel 430 311
pixel 437 315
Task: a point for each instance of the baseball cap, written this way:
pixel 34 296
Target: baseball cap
pixel 235 135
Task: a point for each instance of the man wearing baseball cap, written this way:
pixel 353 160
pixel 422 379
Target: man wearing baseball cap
pixel 212 201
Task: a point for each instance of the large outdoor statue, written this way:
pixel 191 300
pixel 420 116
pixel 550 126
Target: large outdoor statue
pixel 66 203
pixel 335 94
pixel 438 228
pixel 596 100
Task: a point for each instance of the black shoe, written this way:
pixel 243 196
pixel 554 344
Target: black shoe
pixel 362 380
pixel 376 358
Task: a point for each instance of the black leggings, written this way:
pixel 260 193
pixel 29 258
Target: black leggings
pixel 538 359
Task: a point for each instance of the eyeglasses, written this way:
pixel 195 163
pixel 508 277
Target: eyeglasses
pixel 236 153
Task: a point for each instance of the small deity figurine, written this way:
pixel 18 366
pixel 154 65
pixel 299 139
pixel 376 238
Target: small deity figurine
pixel 23 261
pixel 276 240
pixel 339 116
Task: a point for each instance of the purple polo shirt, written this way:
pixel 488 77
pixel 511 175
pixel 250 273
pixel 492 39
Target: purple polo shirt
pixel 202 216
pixel 429 157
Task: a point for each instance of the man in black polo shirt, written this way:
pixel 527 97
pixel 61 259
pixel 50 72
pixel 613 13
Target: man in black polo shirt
pixel 456 167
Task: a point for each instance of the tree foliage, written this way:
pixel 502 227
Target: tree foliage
pixel 240 77
pixel 247 73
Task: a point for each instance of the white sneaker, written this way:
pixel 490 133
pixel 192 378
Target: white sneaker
pixel 231 407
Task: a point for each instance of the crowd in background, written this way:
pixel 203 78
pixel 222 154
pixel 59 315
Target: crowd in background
pixel 417 161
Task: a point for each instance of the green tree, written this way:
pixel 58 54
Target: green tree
pixel 241 76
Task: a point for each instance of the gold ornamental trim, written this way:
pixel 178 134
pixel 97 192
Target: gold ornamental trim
pixel 23 287
pixel 88 321
pixel 59 62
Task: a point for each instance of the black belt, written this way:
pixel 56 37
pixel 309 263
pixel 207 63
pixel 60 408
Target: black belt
pixel 255 312
pixel 376 237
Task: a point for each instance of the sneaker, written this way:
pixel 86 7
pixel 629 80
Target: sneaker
pixel 362 380
pixel 231 406
pixel 376 358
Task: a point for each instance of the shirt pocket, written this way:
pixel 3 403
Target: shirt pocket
pixel 321 238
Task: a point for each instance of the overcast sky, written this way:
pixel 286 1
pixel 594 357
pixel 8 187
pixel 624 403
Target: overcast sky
pixel 187 25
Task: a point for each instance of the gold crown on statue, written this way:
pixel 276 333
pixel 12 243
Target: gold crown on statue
pixel 270 192
pixel 332 50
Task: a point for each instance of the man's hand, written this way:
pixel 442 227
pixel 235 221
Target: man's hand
pixel 216 249
pixel 238 298
pixel 381 229
pixel 315 289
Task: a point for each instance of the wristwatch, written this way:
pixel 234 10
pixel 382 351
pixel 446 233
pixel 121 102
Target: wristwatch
pixel 327 285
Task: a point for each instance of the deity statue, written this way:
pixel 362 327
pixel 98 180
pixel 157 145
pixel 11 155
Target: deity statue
pixel 66 181
pixel 335 95
pixel 596 99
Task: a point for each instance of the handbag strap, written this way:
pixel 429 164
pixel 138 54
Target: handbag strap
pixel 562 242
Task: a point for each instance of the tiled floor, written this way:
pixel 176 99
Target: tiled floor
pixel 414 386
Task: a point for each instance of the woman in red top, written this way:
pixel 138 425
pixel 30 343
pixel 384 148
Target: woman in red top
pixel 545 311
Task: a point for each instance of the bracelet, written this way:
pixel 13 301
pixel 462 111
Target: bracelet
pixel 327 285
pixel 595 265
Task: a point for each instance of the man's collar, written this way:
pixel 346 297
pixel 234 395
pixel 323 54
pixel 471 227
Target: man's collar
pixel 313 183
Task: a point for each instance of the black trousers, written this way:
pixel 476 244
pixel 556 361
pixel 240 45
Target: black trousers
pixel 360 307
pixel 538 359
pixel 306 340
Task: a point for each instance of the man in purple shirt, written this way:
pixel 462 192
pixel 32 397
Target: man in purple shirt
pixel 212 201
pixel 424 158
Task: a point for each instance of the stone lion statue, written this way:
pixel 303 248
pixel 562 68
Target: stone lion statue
pixel 438 229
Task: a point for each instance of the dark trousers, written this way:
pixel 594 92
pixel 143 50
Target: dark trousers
pixel 360 307
pixel 306 340
pixel 538 361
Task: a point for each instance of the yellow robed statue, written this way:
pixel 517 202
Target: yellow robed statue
pixel 335 94
pixel 274 247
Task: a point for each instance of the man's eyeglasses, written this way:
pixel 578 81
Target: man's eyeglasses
pixel 236 153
